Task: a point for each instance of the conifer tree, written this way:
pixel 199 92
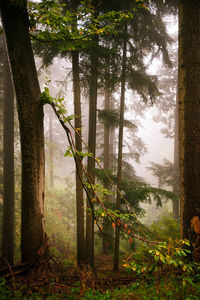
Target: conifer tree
pixel 30 111
pixel 189 110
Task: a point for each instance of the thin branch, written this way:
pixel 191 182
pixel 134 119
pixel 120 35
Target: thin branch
pixel 92 191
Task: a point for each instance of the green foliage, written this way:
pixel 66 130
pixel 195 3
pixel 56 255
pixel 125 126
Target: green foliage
pixel 166 173
pixel 57 23
pixel 58 103
pixel 111 119
pixel 60 223
pixel 166 227
pixel 7 292
pixel 69 152
pixel 172 256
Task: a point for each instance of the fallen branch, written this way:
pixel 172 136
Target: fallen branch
pixel 11 271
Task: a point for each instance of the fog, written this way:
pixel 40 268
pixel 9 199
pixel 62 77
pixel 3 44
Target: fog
pixel 58 78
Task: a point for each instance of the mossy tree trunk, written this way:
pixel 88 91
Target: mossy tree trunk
pixel 30 112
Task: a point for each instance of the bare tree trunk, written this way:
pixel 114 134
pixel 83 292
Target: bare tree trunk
pixel 176 189
pixel 51 175
pixel 106 157
pixel 30 111
pixel 189 111
pixel 91 161
pixel 8 161
pixel 78 143
pixel 120 148
pixel 79 188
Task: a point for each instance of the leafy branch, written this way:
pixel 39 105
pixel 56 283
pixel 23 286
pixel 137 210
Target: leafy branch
pixel 91 189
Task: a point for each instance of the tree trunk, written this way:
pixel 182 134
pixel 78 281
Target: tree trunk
pixel 92 148
pixel 30 111
pixel 51 175
pixel 78 144
pixel 189 111
pixel 120 148
pixel 8 161
pixel 176 189
pixel 106 224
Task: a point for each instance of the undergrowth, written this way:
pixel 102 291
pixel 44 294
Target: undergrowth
pixel 158 273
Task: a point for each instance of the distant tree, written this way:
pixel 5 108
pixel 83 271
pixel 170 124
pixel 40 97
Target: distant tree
pixel 167 106
pixel 189 111
pixel 30 111
pixel 8 161
pixel 120 145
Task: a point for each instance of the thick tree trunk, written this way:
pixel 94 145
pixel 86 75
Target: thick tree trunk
pixel 176 189
pixel 91 161
pixel 8 161
pixel 78 143
pixel 189 111
pixel 30 111
pixel 120 148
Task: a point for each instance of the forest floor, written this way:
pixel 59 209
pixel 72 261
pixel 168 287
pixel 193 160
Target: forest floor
pixel 52 281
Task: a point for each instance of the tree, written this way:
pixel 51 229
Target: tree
pixel 78 143
pixel 176 190
pixel 51 175
pixel 189 111
pixel 168 115
pixel 120 146
pixel 8 161
pixel 30 111
pixel 92 149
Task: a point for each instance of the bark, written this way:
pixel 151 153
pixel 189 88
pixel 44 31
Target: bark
pixel 176 189
pixel 78 144
pixel 106 156
pixel 51 175
pixel 30 112
pixel 92 147
pixel 8 161
pixel 120 148
pixel 189 111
